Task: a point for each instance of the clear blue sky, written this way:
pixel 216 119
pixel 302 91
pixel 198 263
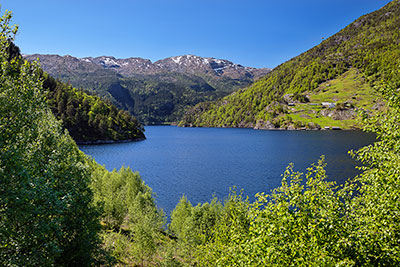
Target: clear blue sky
pixel 257 33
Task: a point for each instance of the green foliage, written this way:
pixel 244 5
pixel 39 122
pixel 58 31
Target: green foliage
pixel 121 193
pixel 179 217
pixel 88 118
pixel 193 225
pixel 46 216
pixel 376 206
pixel 131 221
pixel 369 45
pixel 49 206
pixel 296 225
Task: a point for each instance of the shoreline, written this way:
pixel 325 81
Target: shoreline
pixel 104 142
pixel 331 128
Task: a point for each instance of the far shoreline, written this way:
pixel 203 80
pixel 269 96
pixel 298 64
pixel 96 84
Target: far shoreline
pixel 104 142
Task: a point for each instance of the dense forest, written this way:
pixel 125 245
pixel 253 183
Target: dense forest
pixel 87 117
pixel 290 96
pixel 60 208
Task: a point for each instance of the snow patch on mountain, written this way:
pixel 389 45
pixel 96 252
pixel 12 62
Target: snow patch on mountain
pixel 109 62
pixel 177 60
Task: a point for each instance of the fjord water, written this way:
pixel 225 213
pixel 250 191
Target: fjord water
pixel 202 162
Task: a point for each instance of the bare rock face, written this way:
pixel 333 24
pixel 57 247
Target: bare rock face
pixel 58 64
pixel 264 125
pixel 125 67
pixel 288 98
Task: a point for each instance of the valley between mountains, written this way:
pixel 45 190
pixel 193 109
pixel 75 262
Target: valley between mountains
pixel 155 93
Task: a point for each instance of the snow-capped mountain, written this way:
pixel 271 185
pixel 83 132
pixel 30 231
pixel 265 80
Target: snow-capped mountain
pixel 189 64
pixel 184 64
pixel 126 66
pixel 208 65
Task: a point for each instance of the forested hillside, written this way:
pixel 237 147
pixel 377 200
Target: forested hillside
pixel 155 93
pixel 88 118
pixel 320 88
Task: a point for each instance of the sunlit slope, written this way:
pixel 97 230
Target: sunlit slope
pixel 352 62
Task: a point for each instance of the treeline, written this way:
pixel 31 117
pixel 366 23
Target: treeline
pixel 162 98
pixel 370 44
pixel 132 225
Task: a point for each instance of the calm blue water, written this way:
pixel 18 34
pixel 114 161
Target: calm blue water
pixel 200 162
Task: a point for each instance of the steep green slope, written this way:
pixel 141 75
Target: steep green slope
pixel 158 98
pixel 347 91
pixel 164 98
pixel 87 117
pixel 369 47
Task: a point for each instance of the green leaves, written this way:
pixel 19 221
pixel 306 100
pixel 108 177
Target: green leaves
pixel 296 224
pixel 376 208
pixel 132 223
pixel 45 213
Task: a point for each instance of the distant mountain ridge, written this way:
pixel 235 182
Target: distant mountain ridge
pixel 183 64
pixel 155 93
pixel 190 64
